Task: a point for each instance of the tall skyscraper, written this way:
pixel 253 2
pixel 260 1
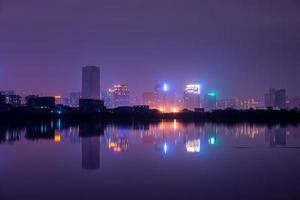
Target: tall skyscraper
pixel 91 82
pixel 210 101
pixel 161 96
pixel 192 97
pixel 276 98
pixel 280 99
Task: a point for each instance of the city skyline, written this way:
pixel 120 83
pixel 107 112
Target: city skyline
pixel 149 99
pixel 139 95
pixel 161 98
pixel 239 49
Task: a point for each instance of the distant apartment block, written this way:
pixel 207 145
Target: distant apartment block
pixel 276 98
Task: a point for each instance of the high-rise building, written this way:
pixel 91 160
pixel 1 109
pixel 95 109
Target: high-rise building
pixel 249 104
pixel 270 98
pixel 210 101
pixel 108 98
pixel 280 99
pixel 120 95
pixel 276 98
pixel 149 98
pixel 91 82
pixel 161 95
pixel 233 103
pixel 192 97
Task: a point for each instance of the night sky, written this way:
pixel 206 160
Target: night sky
pixel 237 47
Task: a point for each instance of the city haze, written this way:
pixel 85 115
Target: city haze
pixel 239 48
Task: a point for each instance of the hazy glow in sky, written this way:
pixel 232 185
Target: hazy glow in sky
pixel 234 47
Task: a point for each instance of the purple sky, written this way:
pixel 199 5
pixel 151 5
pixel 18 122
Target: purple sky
pixel 237 47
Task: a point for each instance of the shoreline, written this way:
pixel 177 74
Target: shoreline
pixel 217 116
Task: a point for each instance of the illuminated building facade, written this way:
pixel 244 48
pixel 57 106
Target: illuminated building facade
pixel 238 103
pixel 210 101
pixel 108 98
pixel 40 103
pixel 58 99
pixel 121 95
pixel 249 104
pixel 162 99
pixel 192 97
pixel 10 98
pixel 91 82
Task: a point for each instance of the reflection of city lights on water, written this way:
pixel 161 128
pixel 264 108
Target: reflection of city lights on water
pixel 212 140
pixel 165 148
pixel 175 124
pixel 118 145
pixel 193 145
pixel 57 138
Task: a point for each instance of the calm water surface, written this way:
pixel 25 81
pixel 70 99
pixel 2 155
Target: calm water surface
pixel 167 160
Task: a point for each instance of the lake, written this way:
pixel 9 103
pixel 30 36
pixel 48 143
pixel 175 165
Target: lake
pixel 165 160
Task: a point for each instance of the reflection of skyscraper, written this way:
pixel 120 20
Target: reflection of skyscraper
pixel 90 152
pixel 276 98
pixel 91 82
pixel 90 143
pixel 276 136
